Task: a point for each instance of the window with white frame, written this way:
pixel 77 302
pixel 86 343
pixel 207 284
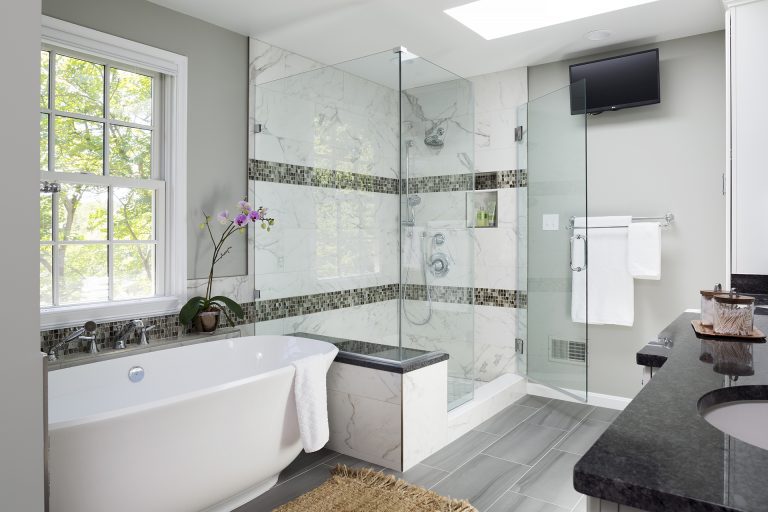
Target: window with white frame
pixel 108 141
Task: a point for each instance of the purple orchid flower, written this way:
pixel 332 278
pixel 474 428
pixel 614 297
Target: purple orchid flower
pixel 244 206
pixel 223 217
pixel 254 215
pixel 241 220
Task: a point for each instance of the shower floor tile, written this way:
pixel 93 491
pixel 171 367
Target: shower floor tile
pixel 545 484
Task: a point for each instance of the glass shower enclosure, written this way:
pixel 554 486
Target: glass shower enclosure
pixel 367 166
pixel 553 255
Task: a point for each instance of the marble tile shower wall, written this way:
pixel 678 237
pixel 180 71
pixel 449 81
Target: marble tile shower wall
pixel 332 237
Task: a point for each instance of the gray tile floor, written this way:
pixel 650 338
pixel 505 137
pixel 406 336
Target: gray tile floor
pixel 520 460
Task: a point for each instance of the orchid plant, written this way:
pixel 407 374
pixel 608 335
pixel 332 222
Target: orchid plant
pixel 232 225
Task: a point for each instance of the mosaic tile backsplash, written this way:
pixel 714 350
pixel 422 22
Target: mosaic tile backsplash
pixel 273 309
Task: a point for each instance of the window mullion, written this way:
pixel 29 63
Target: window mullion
pixel 106 121
pixel 51 107
pixel 55 247
pixel 110 245
pixel 110 192
pixel 55 257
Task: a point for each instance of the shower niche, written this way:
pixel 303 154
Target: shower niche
pixel 483 209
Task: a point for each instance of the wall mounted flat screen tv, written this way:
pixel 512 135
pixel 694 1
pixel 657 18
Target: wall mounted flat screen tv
pixel 618 82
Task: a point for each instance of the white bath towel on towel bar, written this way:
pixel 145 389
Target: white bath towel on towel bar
pixel 644 250
pixel 605 292
pixel 312 399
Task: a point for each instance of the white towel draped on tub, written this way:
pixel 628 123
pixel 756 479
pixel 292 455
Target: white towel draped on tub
pixel 312 399
pixel 644 250
pixel 609 297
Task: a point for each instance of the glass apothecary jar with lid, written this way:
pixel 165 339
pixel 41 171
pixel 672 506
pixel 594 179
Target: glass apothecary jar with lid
pixel 708 306
pixel 734 314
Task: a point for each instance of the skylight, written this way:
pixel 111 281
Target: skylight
pixel 498 18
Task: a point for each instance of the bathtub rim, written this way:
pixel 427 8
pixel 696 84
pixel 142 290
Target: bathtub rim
pixel 191 395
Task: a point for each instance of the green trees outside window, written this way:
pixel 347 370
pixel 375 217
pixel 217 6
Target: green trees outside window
pixel 99 234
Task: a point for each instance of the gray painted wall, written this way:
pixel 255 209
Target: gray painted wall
pixel 21 381
pixel 648 161
pixel 218 107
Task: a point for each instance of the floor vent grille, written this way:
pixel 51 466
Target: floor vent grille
pixel 567 351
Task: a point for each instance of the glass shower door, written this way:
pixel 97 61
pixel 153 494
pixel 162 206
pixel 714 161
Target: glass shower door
pixel 552 257
pixel 437 244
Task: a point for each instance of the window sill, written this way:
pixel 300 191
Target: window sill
pixel 70 316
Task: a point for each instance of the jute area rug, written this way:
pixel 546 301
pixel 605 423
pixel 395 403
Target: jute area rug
pixel 365 490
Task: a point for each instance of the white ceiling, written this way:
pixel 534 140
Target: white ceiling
pixel 332 31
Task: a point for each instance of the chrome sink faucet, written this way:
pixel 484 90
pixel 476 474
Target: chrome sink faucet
pixel 89 328
pixel 127 330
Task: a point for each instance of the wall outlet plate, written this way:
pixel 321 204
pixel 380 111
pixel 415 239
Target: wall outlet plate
pixel 550 222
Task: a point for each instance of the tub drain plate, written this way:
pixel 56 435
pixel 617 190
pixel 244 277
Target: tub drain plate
pixel 136 374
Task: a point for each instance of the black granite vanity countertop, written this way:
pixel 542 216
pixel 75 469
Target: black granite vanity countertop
pixel 661 455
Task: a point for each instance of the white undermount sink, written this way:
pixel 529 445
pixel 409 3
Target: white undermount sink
pixel 746 420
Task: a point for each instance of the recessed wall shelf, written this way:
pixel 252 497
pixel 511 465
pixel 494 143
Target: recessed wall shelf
pixel 482 209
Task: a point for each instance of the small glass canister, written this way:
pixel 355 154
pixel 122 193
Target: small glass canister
pixel 708 306
pixel 734 314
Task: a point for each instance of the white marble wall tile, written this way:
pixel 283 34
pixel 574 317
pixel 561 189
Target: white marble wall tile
pixel 449 330
pixel 325 240
pixel 375 384
pixel 268 63
pixel 442 208
pixel 497 99
pixel 490 160
pixel 496 129
pixel 502 90
pixel 491 361
pixel 365 428
pixel 433 107
pixel 425 415
pixel 355 141
pixel 376 323
pixel 366 97
pixel 495 331
pixel 495 258
pixel 269 327
pixel 238 288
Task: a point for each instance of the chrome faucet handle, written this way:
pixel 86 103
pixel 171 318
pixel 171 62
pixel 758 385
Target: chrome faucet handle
pixel 93 348
pixel 89 327
pixel 144 340
pixel 126 331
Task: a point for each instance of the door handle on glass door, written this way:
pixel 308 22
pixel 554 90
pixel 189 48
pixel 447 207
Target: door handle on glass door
pixel 572 243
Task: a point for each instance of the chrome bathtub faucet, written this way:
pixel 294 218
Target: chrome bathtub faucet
pixel 88 329
pixel 144 340
pixel 127 330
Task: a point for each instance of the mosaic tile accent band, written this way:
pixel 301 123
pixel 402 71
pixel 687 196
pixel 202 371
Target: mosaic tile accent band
pixel 289 174
pixel 168 326
pixel 462 295
pixel 275 172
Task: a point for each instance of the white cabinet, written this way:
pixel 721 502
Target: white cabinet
pixel 747 74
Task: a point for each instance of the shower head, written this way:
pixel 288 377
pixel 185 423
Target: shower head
pixel 435 137
pixel 414 200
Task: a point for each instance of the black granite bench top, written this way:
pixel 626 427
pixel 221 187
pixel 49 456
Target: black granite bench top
pixel 661 455
pixel 377 356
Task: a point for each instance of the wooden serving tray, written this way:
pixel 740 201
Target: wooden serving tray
pixel 709 332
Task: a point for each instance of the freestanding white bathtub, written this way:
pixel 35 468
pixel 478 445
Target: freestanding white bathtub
pixel 209 427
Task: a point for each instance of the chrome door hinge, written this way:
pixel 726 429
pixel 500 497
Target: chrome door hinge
pixel 518 133
pixel 519 345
